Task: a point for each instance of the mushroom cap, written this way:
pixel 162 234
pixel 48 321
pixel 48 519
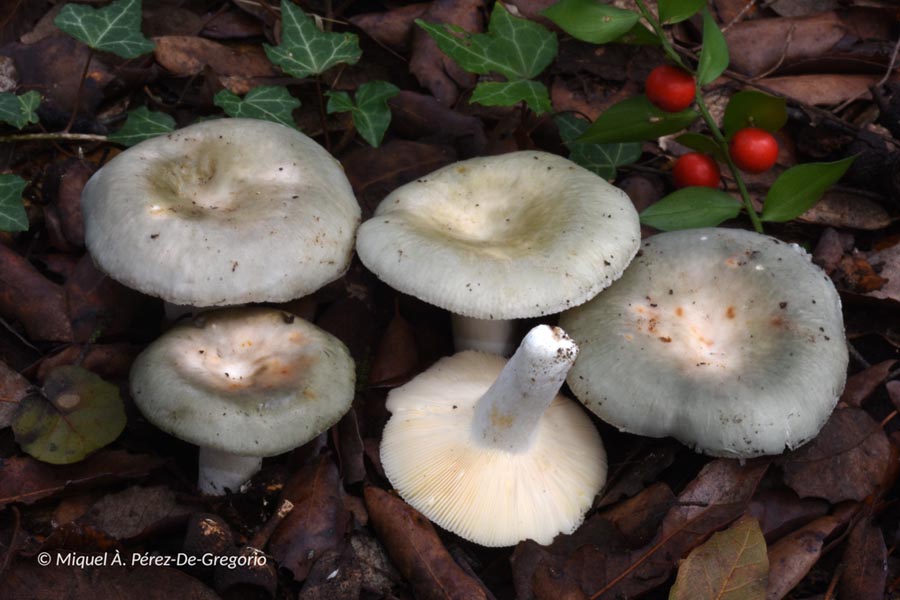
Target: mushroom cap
pixel 488 496
pixel 730 341
pixel 228 211
pixel 502 237
pixel 250 381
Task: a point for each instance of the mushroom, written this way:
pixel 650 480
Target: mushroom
pixel 223 212
pixel 504 237
pixel 730 341
pixel 489 450
pixel 243 384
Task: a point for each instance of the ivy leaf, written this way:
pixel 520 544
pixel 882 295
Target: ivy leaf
pixel 267 102
pixel 731 565
pixel 12 213
pixel 714 55
pixel 798 188
pixel 305 50
pixel 371 113
pixel 602 159
pixel 18 111
pixel 517 49
pixel 636 120
pixel 590 21
pixel 702 143
pixel 77 413
pixel 142 124
pixel 675 11
pixel 691 207
pixel 507 93
pixel 754 109
pixel 114 28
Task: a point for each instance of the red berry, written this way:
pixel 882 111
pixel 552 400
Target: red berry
pixel 670 89
pixel 696 169
pixel 753 150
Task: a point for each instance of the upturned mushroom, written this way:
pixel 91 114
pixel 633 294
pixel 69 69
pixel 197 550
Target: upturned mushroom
pixel 243 384
pixel 524 234
pixel 223 212
pixel 730 341
pixel 489 450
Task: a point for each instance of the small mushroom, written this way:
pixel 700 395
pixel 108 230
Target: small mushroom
pixel 730 341
pixel 489 450
pixel 504 237
pixel 243 384
pixel 223 212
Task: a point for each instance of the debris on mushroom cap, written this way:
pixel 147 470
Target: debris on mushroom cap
pixel 223 212
pixel 434 454
pixel 257 381
pixel 730 341
pixel 502 237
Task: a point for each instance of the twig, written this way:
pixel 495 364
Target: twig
pixel 739 16
pixel 58 136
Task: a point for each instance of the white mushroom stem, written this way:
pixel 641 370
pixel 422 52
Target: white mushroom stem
pixel 494 336
pixel 224 470
pixel 506 416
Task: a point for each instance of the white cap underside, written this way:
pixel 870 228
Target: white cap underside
pixel 502 237
pixel 223 212
pixel 488 496
pixel 730 341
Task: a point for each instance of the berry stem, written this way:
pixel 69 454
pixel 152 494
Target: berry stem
pixel 704 111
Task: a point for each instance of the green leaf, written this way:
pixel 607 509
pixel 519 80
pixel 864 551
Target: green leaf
pixel 513 47
pixel 77 413
pixel 267 102
pixel 731 565
pixel 714 55
pixel 590 21
pixel 602 159
pixel 18 111
pixel 114 28
pixel 636 120
pixel 507 93
pixel 691 207
pixel 798 188
pixel 702 143
pixel 675 11
pixel 12 213
pixel 305 50
pixel 639 35
pixel 371 113
pixel 754 109
pixel 142 124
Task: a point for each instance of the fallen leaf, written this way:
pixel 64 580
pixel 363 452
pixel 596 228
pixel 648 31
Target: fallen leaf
pixel 861 385
pixel 637 518
pixel 555 584
pixel 848 460
pixel 419 116
pixel 363 567
pixel 186 56
pixel 391 27
pixel 865 564
pixel 208 533
pixel 846 209
pixel 434 69
pixel 893 389
pixel 44 316
pixel 18 18
pixel 316 524
pixel 830 249
pixel 26 480
pixel 731 565
pixel 792 556
pixel 888 262
pixel 821 89
pixel 640 472
pixel 780 511
pixel 395 358
pixel 26 580
pixel 351 452
pixel 13 387
pixel 136 512
pixel 98 304
pixel 232 24
pixel 109 361
pixel 376 172
pixel 417 551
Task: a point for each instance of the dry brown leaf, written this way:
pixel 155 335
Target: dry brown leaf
pixel 417 551
pixel 830 249
pixel 848 460
pixel 396 358
pixel 135 512
pixel 13 387
pixel 351 451
pixel 318 521
pixel 893 389
pixel 436 71
pixel 362 567
pixel 186 56
pixel 391 27
pixel 791 557
pixel 861 385
pixel 888 263
pixel 62 187
pixel 44 316
pixel 780 511
pixel 865 564
pixel 97 304
pixel 845 209
pixel 821 90
pixel 26 480
pixel 110 361
pixel 731 565
pixel 419 116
